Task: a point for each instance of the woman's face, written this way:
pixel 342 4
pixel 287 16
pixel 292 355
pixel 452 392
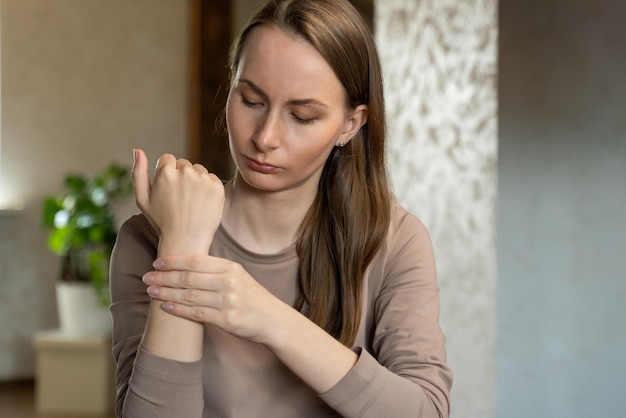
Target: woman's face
pixel 286 111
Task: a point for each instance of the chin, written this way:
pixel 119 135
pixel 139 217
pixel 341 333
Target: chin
pixel 259 182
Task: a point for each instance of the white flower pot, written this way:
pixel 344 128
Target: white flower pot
pixel 79 310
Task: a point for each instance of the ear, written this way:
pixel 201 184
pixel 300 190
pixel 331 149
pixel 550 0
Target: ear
pixel 355 120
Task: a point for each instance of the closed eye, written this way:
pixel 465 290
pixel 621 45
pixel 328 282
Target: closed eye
pixel 303 121
pixel 250 103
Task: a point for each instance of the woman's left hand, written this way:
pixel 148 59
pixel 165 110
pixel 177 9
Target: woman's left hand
pixel 220 292
pixel 216 291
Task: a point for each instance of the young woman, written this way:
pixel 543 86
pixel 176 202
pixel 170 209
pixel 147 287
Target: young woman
pixel 300 288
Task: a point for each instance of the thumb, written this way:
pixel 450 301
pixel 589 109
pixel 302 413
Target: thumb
pixel 141 179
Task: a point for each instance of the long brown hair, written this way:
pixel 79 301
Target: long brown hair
pixel 349 218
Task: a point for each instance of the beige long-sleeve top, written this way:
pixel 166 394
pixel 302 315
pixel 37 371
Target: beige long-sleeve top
pixel 401 370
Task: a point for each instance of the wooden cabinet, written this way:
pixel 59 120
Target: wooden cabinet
pixel 74 374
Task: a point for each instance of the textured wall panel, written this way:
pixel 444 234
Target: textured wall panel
pixel 440 63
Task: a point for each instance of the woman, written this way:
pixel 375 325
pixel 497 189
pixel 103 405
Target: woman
pixel 300 287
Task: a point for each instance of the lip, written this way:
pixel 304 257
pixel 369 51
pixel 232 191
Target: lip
pixel 261 167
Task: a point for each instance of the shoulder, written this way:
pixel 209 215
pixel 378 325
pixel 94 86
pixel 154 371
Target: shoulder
pixel 137 228
pixel 136 239
pixel 405 227
pixel 134 251
pixel 407 252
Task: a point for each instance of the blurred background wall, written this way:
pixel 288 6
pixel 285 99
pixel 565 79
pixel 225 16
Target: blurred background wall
pixel 83 83
pixel 562 209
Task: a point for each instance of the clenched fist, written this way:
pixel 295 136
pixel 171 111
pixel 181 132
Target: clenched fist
pixel 184 202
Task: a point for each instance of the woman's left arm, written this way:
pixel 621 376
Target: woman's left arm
pixel 220 292
pixel 404 374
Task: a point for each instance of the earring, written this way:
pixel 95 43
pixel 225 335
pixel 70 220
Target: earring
pixel 340 145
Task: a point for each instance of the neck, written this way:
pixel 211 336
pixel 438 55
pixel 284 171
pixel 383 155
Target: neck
pixel 264 222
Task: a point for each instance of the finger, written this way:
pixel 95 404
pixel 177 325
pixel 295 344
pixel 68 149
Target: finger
pixel 164 161
pixel 200 169
pixel 183 280
pixel 200 314
pixel 141 179
pixel 182 163
pixel 187 297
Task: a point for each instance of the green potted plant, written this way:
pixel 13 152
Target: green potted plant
pixel 83 230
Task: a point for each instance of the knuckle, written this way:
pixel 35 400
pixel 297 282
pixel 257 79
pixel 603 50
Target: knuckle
pixel 164 174
pixel 231 318
pixel 230 299
pixel 216 184
pixel 197 314
pixel 195 262
pixel 187 279
pixel 230 282
pixel 233 274
pixel 191 296
pixel 234 269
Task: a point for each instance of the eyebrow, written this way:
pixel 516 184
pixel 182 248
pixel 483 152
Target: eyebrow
pixel 295 102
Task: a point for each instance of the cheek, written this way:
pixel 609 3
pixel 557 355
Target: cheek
pixel 235 124
pixel 316 147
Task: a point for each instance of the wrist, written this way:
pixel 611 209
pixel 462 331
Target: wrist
pixel 287 322
pixel 172 337
pixel 170 244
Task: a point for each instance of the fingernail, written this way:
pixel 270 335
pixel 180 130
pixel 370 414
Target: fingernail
pixel 148 278
pixel 158 264
pixel 153 291
pixel 134 155
pixel 168 306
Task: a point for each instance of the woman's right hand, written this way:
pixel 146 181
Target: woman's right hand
pixel 184 202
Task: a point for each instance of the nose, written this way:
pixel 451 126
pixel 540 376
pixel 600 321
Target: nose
pixel 268 133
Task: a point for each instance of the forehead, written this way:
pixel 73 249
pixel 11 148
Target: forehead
pixel 281 62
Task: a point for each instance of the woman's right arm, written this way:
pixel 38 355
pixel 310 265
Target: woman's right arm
pixel 147 385
pixel 182 206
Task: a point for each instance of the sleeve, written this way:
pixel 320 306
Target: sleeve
pixel 406 374
pixel 147 385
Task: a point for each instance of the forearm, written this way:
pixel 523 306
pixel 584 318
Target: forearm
pixel 352 384
pixel 310 352
pixel 148 385
pixel 170 336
